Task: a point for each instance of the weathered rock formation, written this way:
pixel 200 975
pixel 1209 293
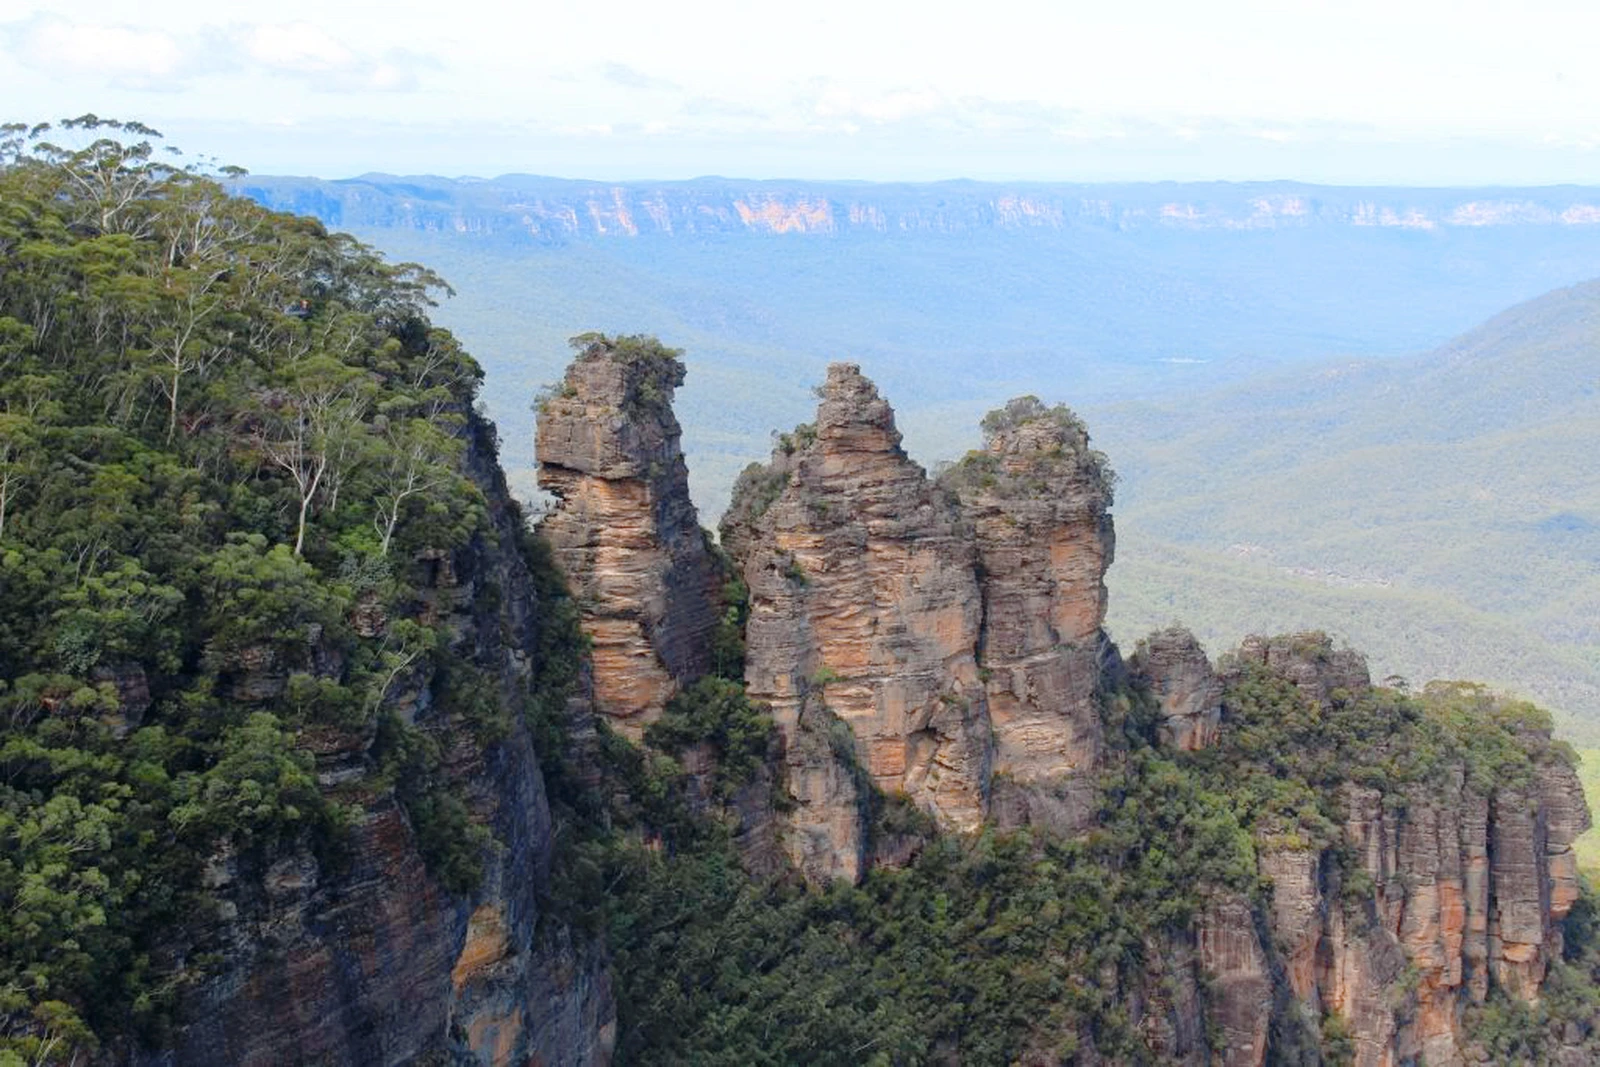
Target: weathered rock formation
pixel 863 599
pixel 373 961
pixel 1469 882
pixel 624 529
pixel 953 627
pixel 1036 497
pixel 1173 667
pixel 941 642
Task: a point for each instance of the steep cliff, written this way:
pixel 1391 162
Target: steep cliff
pixel 864 607
pixel 1445 867
pixel 1036 498
pixel 372 958
pixel 624 529
pixel 938 645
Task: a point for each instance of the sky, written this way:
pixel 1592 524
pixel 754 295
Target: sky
pixel 1353 92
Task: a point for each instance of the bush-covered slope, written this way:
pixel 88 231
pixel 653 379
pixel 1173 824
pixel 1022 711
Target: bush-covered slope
pixel 1439 511
pixel 232 453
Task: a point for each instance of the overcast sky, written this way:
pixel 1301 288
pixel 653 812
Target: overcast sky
pixel 1377 91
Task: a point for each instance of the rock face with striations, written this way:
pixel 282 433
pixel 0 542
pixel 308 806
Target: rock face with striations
pixel 1036 497
pixel 864 607
pixel 374 961
pixel 1173 666
pixel 953 628
pixel 624 529
pixel 1470 880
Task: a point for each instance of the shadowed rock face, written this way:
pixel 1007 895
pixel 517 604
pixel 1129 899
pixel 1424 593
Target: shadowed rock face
pixel 373 962
pixel 1036 498
pixel 624 529
pixel 863 597
pixel 1174 667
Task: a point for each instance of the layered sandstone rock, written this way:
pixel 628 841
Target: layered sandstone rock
pixel 372 961
pixel 954 628
pixel 1173 666
pixel 1463 884
pixel 1036 497
pixel 863 599
pixel 1232 955
pixel 624 529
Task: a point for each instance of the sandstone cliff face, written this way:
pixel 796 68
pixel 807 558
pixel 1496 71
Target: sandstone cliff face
pixel 863 599
pixel 1173 666
pixel 624 530
pixel 955 628
pixel 1036 498
pixel 1468 885
pixel 375 963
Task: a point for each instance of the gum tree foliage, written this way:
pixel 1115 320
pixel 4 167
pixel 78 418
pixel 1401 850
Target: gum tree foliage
pixel 222 432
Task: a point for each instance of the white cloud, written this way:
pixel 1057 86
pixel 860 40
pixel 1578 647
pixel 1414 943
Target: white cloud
pixel 143 58
pixel 304 50
pixel 121 55
pixel 897 105
pixel 297 48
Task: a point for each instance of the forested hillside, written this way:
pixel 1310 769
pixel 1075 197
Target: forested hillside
pixel 233 453
pixel 308 754
pixel 1442 511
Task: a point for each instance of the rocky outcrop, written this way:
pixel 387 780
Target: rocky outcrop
pixel 624 529
pixel 864 600
pixel 1234 959
pixel 1173 667
pixel 372 960
pixel 1309 660
pixel 1433 895
pixel 1036 498
pixel 954 628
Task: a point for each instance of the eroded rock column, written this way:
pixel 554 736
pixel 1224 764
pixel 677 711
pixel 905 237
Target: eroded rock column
pixel 863 599
pixel 624 529
pixel 1036 497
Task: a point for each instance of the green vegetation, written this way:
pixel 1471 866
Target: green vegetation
pixel 715 712
pixel 1568 1007
pixel 1440 512
pixel 1068 457
pixel 992 945
pixel 1004 945
pixel 226 437
pixel 658 369
pixel 231 448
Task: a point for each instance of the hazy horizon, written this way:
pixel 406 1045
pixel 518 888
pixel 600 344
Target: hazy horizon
pixel 1359 93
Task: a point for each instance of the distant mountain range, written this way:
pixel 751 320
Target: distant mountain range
pixel 526 207
pixel 1245 353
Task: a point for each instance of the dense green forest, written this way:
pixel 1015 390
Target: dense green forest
pixel 222 430
pixel 231 439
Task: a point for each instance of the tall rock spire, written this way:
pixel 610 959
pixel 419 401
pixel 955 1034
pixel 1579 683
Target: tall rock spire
pixel 1037 497
pixel 624 529
pixel 864 600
